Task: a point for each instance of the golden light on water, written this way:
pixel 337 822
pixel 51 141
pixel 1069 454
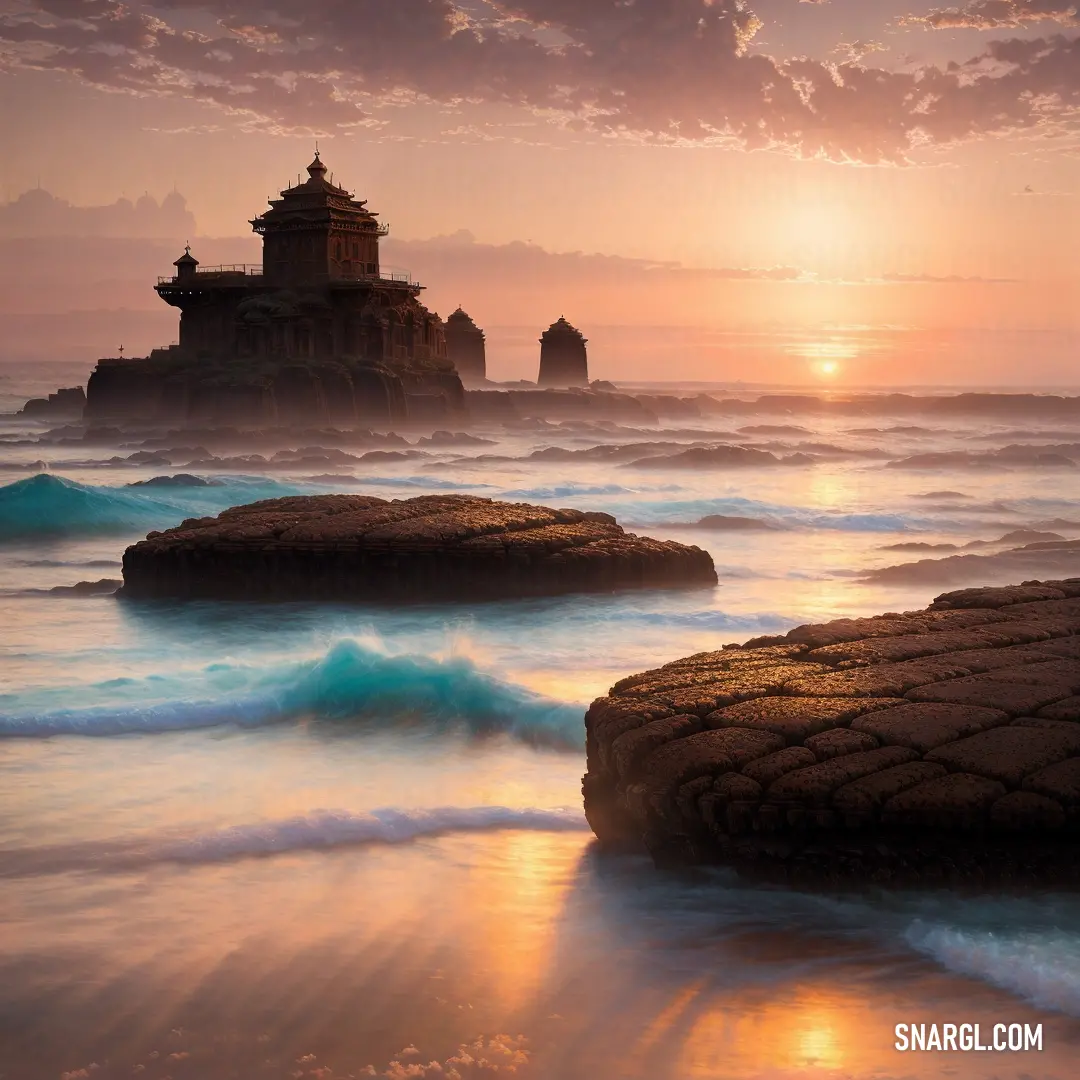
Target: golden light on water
pixel 666 1020
pixel 522 897
pixel 816 1041
pixel 809 1033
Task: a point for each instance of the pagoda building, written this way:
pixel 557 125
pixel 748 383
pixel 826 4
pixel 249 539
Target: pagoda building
pixel 563 357
pixel 465 347
pixel 319 294
pixel 318 333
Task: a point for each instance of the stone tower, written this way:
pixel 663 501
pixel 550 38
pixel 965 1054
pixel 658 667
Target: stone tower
pixel 465 347
pixel 317 233
pixel 320 293
pixel 563 359
pixel 317 333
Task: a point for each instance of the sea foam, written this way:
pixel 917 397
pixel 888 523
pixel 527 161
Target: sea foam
pixel 319 830
pixel 1042 967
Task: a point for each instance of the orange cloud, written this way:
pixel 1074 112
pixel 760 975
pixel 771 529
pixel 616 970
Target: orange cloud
pixel 662 70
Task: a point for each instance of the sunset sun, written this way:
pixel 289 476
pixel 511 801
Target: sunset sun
pixel 826 357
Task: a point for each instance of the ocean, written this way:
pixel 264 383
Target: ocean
pixel 341 841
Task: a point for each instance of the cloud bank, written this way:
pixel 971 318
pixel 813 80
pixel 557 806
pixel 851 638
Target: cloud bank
pixel 999 14
pixel 671 71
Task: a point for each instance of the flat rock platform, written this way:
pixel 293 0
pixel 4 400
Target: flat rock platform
pixel 930 747
pixel 431 548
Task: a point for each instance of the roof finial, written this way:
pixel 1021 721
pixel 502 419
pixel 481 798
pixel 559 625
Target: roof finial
pixel 316 147
pixel 187 248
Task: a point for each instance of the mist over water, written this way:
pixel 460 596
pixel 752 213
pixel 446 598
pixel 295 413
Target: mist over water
pixel 346 840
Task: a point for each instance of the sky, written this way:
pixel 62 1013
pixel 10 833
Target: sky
pixel 848 176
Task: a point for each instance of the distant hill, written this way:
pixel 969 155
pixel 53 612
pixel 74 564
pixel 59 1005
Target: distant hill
pixel 37 213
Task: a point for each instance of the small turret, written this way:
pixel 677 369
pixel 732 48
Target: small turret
pixel 186 265
pixel 317 170
pixel 465 347
pixel 563 357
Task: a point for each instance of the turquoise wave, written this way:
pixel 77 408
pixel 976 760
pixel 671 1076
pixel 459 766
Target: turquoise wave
pixel 48 506
pixel 351 683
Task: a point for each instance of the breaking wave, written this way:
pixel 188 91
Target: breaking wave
pixel 351 682
pixel 316 831
pixel 45 505
pixel 52 506
pixel 1042 967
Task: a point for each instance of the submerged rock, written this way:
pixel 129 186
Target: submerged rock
pixel 932 746
pixel 435 547
pixel 717 457
pixel 67 402
pixel 102 587
pixel 179 480
pixel 733 523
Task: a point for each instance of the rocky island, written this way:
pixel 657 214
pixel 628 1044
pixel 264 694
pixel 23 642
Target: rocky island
pixel 930 746
pixel 318 332
pixel 434 547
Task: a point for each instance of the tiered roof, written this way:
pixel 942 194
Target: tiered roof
pixel 317 202
pixel 562 328
pixel 461 320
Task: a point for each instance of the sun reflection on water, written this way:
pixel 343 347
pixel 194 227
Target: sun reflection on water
pixel 810 1034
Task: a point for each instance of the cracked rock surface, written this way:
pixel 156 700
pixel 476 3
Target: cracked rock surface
pixel 936 746
pixel 435 547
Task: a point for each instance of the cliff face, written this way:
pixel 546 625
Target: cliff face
pixel 557 404
pixel 173 388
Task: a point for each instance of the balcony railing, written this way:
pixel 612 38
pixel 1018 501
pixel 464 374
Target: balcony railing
pixel 397 277
pixel 401 276
pixel 247 269
pixel 226 270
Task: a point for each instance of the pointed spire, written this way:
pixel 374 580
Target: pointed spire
pixel 317 170
pixel 187 259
